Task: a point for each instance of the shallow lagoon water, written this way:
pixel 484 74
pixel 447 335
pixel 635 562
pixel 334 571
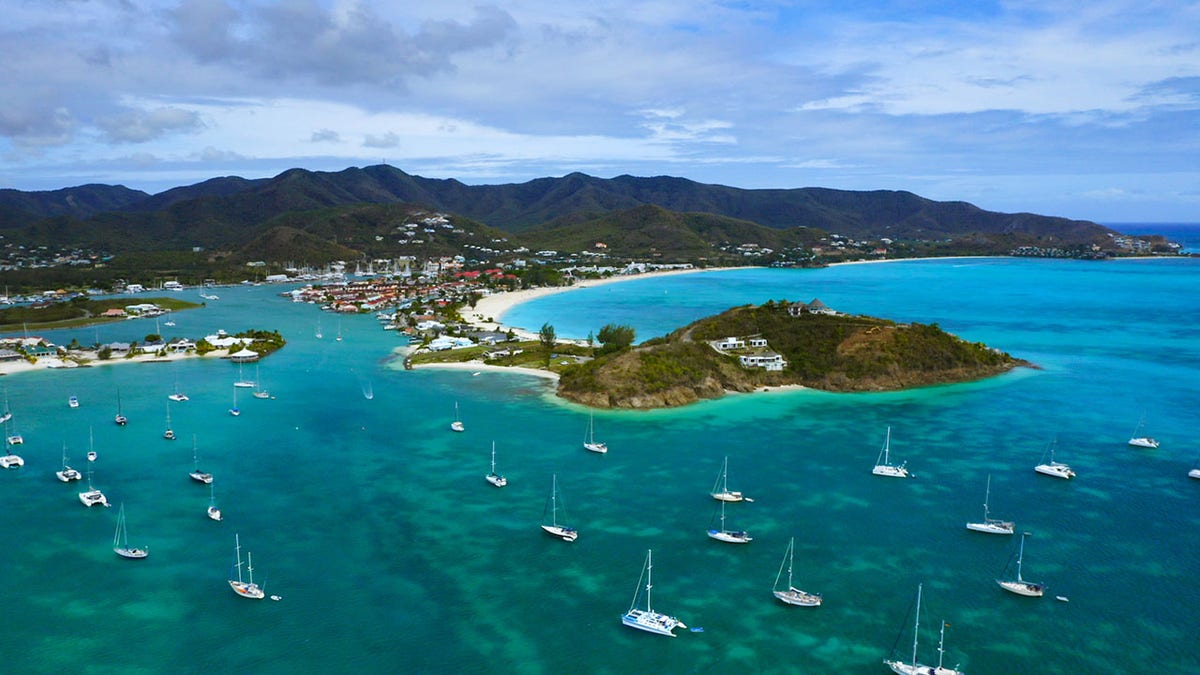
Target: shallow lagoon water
pixel 392 554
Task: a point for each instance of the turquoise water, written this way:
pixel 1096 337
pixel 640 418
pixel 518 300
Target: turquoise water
pixel 392 554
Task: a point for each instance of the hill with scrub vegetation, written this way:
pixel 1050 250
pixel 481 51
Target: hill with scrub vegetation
pixel 830 352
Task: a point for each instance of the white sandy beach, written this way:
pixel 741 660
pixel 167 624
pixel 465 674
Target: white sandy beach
pixel 53 362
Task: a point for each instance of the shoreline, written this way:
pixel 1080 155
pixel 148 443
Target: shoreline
pixel 59 363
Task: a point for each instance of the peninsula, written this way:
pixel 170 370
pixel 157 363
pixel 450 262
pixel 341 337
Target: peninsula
pixel 752 347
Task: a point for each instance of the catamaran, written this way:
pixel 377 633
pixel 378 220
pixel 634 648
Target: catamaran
pixel 648 619
pixel 1019 585
pixel 457 424
pixel 914 668
pixel 589 441
pixel 729 536
pixel 721 491
pixel 246 589
pixel 554 529
pixel 1053 468
pixel 67 474
pixel 121 540
pixel 196 474
pixel 92 496
pixel 1138 441
pixel 493 477
pixel 793 595
pixel 177 395
pixel 990 525
pixel 883 467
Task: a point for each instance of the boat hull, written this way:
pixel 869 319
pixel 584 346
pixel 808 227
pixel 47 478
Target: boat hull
pixel 730 537
pixel 1194 473
pixel 728 496
pixel 93 498
pixel 595 447
pixel 652 622
pixel 1055 471
pixel 991 528
pixel 68 475
pixel 890 471
pixel 457 426
pixel 201 477
pixel 12 461
pixel 797 597
pixel 1143 442
pixel 214 513
pixel 131 553
pixel 121 420
pixel 498 481
pixel 1025 588
pixel 247 590
pixel 902 668
pixel 564 533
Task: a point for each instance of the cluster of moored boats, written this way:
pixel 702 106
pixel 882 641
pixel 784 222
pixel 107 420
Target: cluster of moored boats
pixel 93 496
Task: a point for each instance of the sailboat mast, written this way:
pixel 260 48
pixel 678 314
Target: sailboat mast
pixel 987 496
pixel 554 500
pixel 250 566
pixel 791 559
pixel 916 628
pixel 941 642
pixel 887 444
pixel 649 575
pixel 237 547
pixel 493 457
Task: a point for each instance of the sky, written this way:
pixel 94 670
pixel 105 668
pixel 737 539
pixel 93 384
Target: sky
pixel 1083 110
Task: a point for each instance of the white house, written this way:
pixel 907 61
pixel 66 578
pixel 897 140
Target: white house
pixel 757 342
pixel 766 361
pixel 729 343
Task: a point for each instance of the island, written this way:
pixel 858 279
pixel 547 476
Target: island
pixel 751 348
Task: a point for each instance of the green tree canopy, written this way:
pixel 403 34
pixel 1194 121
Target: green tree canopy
pixel 615 337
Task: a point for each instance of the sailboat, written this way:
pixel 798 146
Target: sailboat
pixel 1053 468
pixel 793 595
pixel 1019 585
pixel 589 441
pixel 120 419
pixel 457 424
pixel 196 474
pixel 121 540
pixel 554 529
pixel 92 496
pixel 7 415
pixel 729 536
pixel 213 511
pixel 235 410
pixel 1142 441
pixel 883 467
pixel 72 401
pixel 990 525
pixel 177 395
pixel 246 589
pixel 721 491
pixel 259 392
pixel 493 477
pixel 318 332
pixel 242 381
pixel 169 321
pixel 67 474
pixel 169 434
pixel 339 331
pixel 648 619
pixel 1195 472
pixel 914 668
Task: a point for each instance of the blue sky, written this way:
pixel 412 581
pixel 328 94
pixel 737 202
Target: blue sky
pixel 1085 110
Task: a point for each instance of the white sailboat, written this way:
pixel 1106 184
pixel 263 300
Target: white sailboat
pixel 246 589
pixel 196 474
pixel 991 525
pixel 67 474
pixel 242 381
pixel 177 395
pixel 493 477
pixel 1051 467
pixel 729 536
pixel 72 401
pixel 92 496
pixel 883 466
pixel 121 540
pixel 169 433
pixel 338 338
pixel 1138 441
pixel 721 491
pixel 913 667
pixel 1195 471
pixel 259 392
pixel 213 511
pixel 1019 585
pixel 318 332
pixel 648 619
pixel 554 529
pixel 235 410
pixel 120 419
pixel 457 424
pixel 589 441
pixel 792 595
pixel 11 460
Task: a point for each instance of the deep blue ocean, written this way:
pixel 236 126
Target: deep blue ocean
pixel 392 554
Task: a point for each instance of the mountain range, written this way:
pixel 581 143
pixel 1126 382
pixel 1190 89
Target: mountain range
pixel 667 216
